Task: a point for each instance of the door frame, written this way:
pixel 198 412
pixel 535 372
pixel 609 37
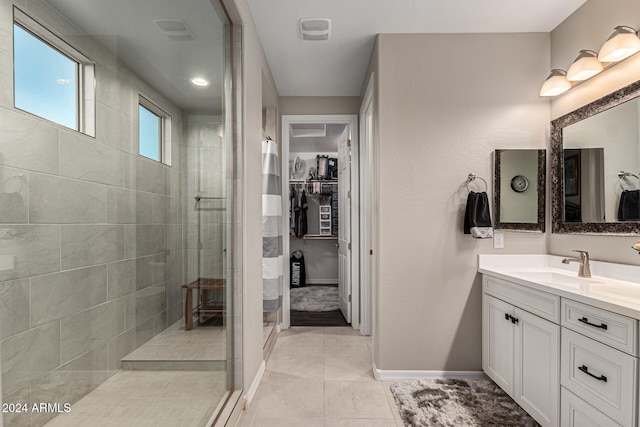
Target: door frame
pixel 352 121
pixel 367 201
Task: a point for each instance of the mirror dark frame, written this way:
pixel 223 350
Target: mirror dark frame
pixel 521 226
pixel 618 97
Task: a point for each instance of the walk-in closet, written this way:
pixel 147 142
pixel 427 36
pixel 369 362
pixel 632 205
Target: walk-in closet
pixel 314 222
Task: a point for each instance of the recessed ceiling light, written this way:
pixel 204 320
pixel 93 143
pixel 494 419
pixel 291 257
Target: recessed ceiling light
pixel 199 81
pixel 63 81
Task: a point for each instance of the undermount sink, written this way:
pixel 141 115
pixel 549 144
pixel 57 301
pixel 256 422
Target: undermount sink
pixel 553 278
pixel 613 287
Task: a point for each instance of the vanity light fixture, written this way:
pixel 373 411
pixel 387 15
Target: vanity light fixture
pixel 555 84
pixel 623 43
pixel 585 66
pixel 199 81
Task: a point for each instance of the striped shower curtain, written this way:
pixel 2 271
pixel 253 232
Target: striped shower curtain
pixel 272 260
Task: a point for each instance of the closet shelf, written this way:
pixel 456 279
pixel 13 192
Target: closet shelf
pixel 309 181
pixel 314 237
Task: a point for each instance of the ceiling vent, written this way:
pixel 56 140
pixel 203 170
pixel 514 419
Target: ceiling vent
pixel 174 29
pixel 315 28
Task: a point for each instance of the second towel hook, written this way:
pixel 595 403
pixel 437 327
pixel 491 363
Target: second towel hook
pixel 472 177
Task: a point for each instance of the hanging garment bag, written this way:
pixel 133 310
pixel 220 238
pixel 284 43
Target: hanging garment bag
pixel 298 273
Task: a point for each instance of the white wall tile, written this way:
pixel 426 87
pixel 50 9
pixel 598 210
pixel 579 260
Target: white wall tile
pixel 6 74
pixel 27 143
pixel 29 355
pixel 84 245
pixel 27 250
pixel 14 307
pixel 57 295
pixel 82 158
pixel 14 194
pixel 86 330
pixel 54 200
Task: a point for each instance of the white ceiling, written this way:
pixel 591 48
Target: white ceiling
pixel 126 29
pixel 320 144
pixel 336 67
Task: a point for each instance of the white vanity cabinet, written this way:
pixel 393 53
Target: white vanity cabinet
pixel 598 364
pixel 592 372
pixel 520 349
pixel 564 362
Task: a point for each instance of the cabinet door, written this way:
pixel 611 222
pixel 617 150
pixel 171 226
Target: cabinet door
pixel 537 367
pixel 578 413
pixel 498 341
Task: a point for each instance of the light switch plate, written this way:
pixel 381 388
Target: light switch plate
pixel 498 240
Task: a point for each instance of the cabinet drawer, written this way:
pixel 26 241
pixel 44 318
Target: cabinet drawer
pixel 609 328
pixel 540 303
pixel 600 375
pixel 578 413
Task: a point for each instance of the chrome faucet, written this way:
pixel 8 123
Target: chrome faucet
pixel 584 270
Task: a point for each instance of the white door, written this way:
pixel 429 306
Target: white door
pixel 498 342
pixel 537 367
pixel 344 225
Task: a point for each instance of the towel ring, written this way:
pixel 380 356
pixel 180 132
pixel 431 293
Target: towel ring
pixel 622 175
pixel 473 177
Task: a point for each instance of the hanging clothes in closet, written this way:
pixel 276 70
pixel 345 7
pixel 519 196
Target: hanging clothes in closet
pixel 298 206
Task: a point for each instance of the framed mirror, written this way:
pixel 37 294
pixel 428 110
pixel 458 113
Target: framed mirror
pixel 595 165
pixel 519 190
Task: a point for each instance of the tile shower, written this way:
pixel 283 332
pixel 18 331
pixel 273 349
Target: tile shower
pixel 95 240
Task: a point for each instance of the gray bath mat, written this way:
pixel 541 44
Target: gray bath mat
pixel 314 298
pixel 450 402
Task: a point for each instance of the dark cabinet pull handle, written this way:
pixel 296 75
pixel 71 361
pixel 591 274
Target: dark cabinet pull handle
pixel 586 371
pixel 507 316
pixel 514 320
pixel 585 320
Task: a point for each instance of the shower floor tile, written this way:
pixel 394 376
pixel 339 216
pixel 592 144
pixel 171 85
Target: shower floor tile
pixel 175 344
pixel 148 398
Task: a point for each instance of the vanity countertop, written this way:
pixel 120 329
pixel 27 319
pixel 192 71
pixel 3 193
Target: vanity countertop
pixel 613 287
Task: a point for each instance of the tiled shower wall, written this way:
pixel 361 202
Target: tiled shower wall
pixel 90 234
pixel 206 176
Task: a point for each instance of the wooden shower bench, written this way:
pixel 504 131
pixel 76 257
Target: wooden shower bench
pixel 203 309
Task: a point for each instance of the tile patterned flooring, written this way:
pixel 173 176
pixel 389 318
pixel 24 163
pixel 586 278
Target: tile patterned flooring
pixel 321 377
pixel 174 343
pixel 158 398
pixel 148 398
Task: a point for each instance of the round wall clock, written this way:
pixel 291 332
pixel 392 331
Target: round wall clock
pixel 519 183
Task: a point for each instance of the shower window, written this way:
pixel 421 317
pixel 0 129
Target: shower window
pixel 50 76
pixel 153 131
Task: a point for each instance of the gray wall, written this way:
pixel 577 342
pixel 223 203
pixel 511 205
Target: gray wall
pixel 95 242
pixel 437 121
pixel 588 28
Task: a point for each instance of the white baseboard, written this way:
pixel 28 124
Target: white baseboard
pixel 397 375
pixel 248 397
